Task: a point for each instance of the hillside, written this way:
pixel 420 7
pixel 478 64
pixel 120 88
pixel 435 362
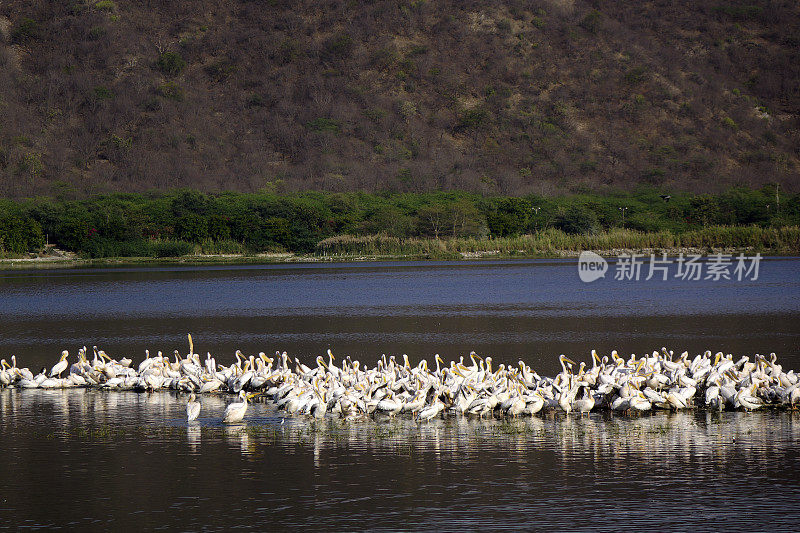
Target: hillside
pixel 501 97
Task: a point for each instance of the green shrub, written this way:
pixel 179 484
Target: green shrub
pixel 591 21
pixel 472 119
pixel 337 47
pixel 170 63
pixel 191 227
pixel 134 248
pixel 171 248
pixel 375 114
pixel 703 209
pixel 72 229
pixel 220 70
pixel 171 90
pixel 102 92
pixel 256 100
pixel 645 221
pixel 19 234
pixel 404 176
pixel 31 164
pixel 287 52
pixel 547 128
pixel 218 228
pixel 507 216
pixel 654 176
pixel 636 75
pixel 503 26
pixel 105 5
pixel 77 8
pixel 384 58
pixel 323 124
pixel 576 219
pixel 96 32
pixel 25 30
pixel 101 247
pixel 120 142
pixel 739 12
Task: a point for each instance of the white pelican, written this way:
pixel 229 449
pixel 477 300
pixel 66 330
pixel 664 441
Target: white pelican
pixel 566 396
pixel 59 367
pixel 431 411
pixel 5 376
pixel 640 402
pixel 516 406
pixel 745 398
pixel 676 400
pixel 193 408
pixel 535 403
pixel 584 404
pixel 235 411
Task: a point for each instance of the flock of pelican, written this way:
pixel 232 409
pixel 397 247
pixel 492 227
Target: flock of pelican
pixel 660 380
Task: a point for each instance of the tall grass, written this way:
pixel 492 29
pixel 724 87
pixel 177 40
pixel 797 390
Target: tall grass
pixel 222 247
pixel 551 241
pixel 158 248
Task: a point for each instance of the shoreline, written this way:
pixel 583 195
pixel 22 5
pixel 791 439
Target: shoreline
pixel 73 261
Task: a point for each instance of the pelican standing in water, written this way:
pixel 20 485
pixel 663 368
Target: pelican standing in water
pixel 192 408
pixel 586 403
pixel 235 411
pixel 59 367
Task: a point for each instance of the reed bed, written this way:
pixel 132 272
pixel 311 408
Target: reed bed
pixel 223 247
pixel 783 240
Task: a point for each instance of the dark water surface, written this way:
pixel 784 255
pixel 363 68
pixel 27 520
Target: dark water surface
pixel 94 460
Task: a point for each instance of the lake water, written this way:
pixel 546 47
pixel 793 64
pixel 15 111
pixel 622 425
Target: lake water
pixel 95 460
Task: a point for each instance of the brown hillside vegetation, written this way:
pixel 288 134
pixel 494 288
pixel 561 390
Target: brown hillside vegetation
pixel 507 96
